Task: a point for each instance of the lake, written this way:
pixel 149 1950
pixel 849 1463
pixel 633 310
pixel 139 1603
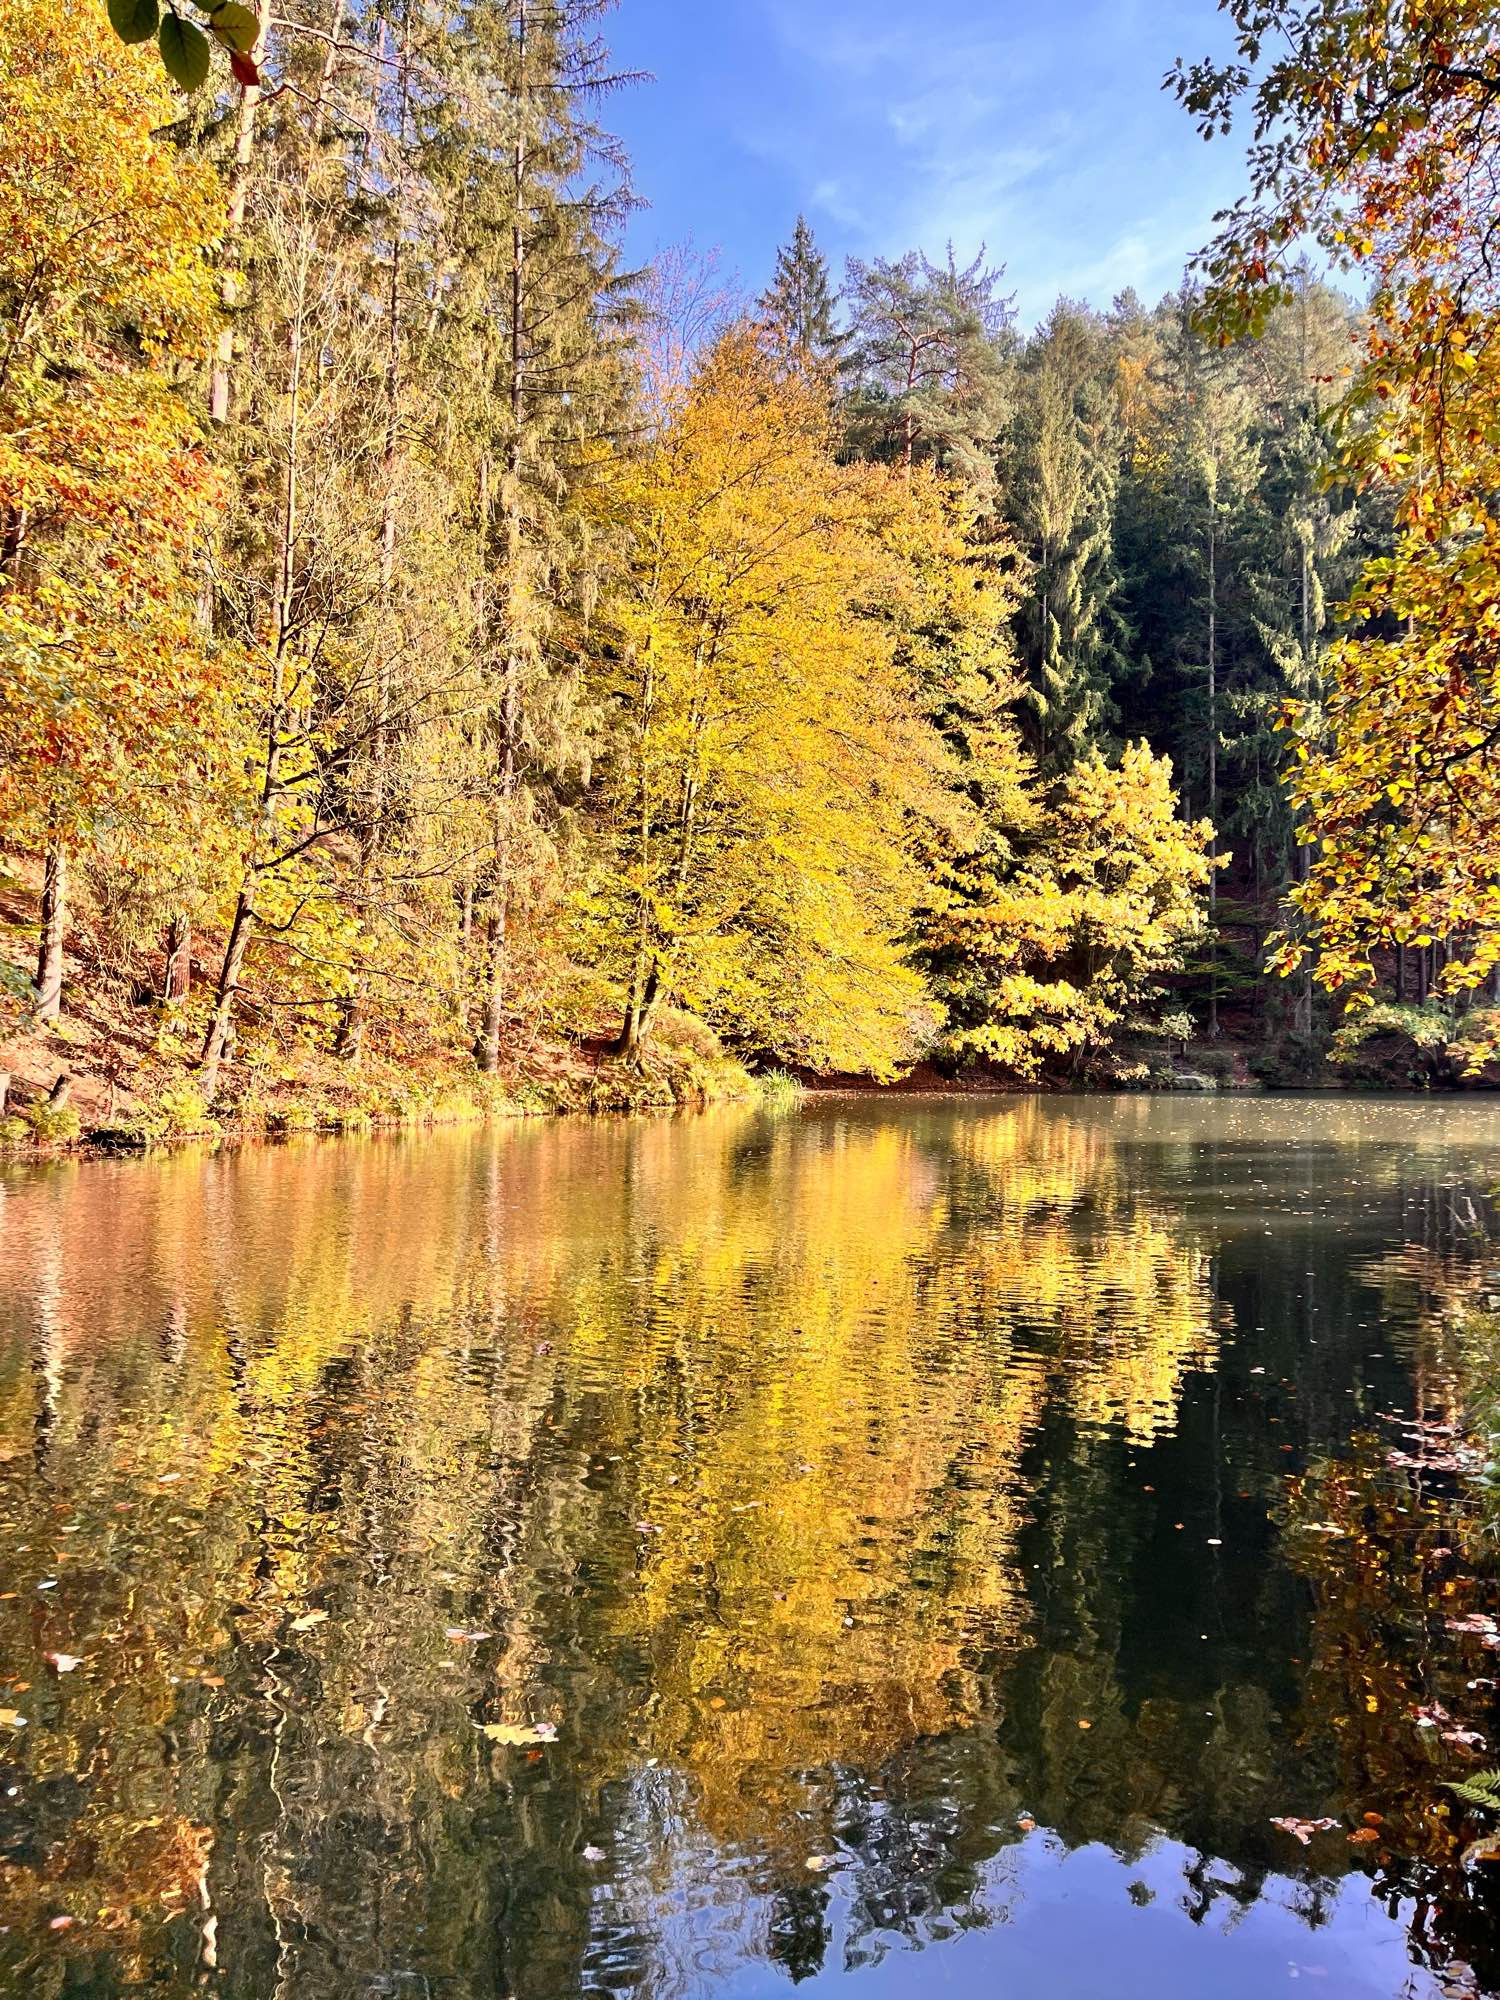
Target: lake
pixel 891 1546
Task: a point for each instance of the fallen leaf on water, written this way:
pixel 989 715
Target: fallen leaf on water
pixel 1361 1835
pixel 62 1923
pixel 818 1863
pixel 1026 1823
pixel 63 1663
pixel 593 1854
pixel 1082 1724
pixel 12 1718
pixel 459 1635
pixel 1304 1829
pixel 521 1732
pixel 307 1621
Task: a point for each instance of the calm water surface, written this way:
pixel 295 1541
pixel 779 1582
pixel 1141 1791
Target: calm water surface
pixel 887 1548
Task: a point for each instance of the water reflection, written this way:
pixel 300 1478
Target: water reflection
pixel 667 1557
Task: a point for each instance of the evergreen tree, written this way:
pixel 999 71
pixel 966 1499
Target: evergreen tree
pixel 1215 475
pixel 537 192
pixel 1062 476
pixel 925 364
pixel 796 309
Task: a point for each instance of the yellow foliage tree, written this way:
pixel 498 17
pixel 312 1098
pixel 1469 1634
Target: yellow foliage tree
pixel 106 687
pixel 767 751
pixel 1105 895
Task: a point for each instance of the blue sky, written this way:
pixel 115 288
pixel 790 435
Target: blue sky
pixel 1040 130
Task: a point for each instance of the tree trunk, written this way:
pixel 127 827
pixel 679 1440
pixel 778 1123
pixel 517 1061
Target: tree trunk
pixel 640 1012
pixel 49 958
pixel 177 974
pixel 487 1043
pixel 239 190
pixel 221 1027
pixel 350 1041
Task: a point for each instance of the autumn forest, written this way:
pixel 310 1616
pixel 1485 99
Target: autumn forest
pixel 443 666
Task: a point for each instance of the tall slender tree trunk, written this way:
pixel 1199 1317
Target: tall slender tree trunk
pixel 229 283
pixel 372 838
pixel 220 1030
pixel 487 1047
pixel 640 1009
pixel 49 957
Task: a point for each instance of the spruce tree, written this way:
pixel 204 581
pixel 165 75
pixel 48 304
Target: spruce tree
pixel 796 309
pixel 536 191
pixel 1062 475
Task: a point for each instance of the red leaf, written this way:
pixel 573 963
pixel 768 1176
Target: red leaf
pixel 244 68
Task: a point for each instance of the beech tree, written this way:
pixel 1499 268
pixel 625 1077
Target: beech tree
pixel 763 755
pixel 104 488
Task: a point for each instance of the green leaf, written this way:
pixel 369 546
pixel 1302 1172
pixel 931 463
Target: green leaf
pixel 133 20
pixel 1483 1789
pixel 235 26
pixel 184 52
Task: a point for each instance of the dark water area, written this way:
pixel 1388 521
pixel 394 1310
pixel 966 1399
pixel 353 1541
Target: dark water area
pixel 880 1548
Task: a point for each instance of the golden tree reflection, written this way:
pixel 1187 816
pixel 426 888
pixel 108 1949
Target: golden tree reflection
pixel 343 1469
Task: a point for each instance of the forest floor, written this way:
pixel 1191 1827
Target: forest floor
pixel 118 1069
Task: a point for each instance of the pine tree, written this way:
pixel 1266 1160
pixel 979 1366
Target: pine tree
pixel 924 367
pixel 1215 476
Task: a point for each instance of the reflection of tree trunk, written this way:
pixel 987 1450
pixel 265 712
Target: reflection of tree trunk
pixel 49 958
pixel 1213 766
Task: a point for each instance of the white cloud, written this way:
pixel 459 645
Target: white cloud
pixel 1036 129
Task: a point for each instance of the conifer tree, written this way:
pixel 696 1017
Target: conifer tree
pixel 1062 475
pixel 924 366
pixel 796 309
pixel 537 192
